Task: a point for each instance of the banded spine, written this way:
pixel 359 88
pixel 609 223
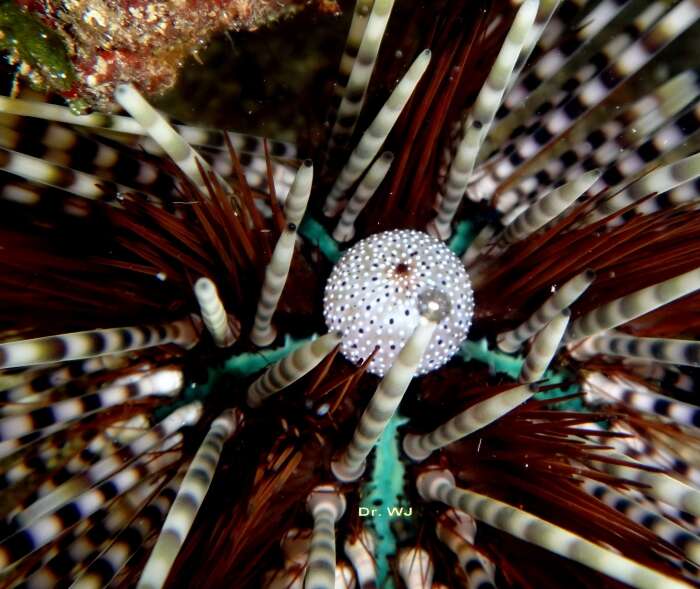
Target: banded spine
pixel 350 465
pixel 456 530
pixel 165 382
pixel 547 208
pixel 291 368
pixel 439 485
pixel 544 347
pixel 189 499
pixel 345 229
pixel 326 505
pixel 263 332
pixel 374 137
pixel 107 564
pixel 49 526
pixel 110 464
pixel 97 342
pixel 633 305
pixel 565 296
pixel 355 90
pixel 653 349
pixel 157 127
pixel 214 315
pixel 641 398
pixel 479 121
pixel 476 417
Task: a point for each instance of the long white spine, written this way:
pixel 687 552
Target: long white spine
pixel 263 333
pixel 658 180
pixel 291 368
pixel 480 119
pixel 362 67
pixel 548 207
pixel 299 193
pixel 564 297
pixel 544 348
pixel 213 313
pixel 440 486
pixel 345 229
pixel 326 505
pixel 419 447
pixel 634 305
pixel 88 344
pixel 666 351
pixel 155 125
pixel 373 139
pixel 386 399
pixel 188 500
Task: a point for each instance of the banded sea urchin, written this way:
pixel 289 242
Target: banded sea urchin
pixel 221 438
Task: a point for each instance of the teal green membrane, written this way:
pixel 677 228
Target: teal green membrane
pixel 385 489
pixel 317 235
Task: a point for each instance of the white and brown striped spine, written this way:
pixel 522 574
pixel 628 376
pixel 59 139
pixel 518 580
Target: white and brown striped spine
pixel 109 465
pixel 640 398
pixel 66 557
pixel 345 229
pixel 439 485
pixel 659 180
pixel 350 465
pixel 355 90
pixel 216 320
pixel 130 126
pixel 544 347
pixel 291 368
pixel 326 505
pixel 478 244
pixel 263 332
pixel 87 344
pixel 480 119
pixel 633 305
pixel 658 486
pixel 298 197
pixel 550 206
pixel 630 61
pixel 374 137
pixel 549 72
pixel 189 499
pixel 652 349
pixel 73 181
pixel 564 297
pixel 457 530
pixel 476 417
pixel 158 128
pixel 107 564
pixel 165 382
pixel 49 526
pixel 56 377
pixel 663 527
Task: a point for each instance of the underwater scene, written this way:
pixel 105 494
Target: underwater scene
pixel 374 294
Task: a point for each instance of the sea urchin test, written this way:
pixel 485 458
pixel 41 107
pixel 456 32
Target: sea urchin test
pixel 381 287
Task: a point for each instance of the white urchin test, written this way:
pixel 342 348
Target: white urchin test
pixel 376 293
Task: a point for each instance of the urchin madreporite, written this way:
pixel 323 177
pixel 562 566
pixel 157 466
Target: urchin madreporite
pixel 178 407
